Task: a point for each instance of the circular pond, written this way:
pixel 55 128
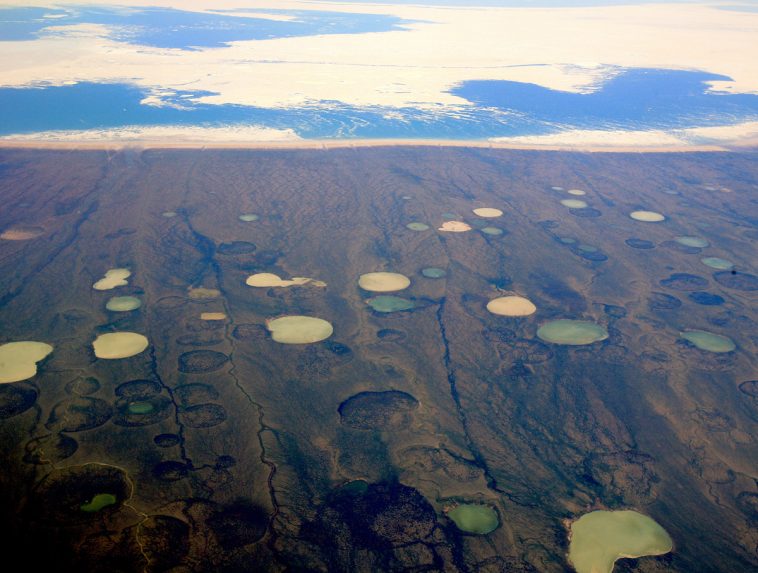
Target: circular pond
pixel 493 231
pixel 299 329
pixel 647 216
pixel 433 273
pixel 78 494
pixel 600 538
pixel 708 341
pixel 249 217
pixel 511 306
pixel 691 241
pixel 123 303
pixel 18 360
pixel 717 263
pixel 576 192
pixel 454 227
pixel 131 412
pixel 706 298
pixel 487 212
pixel 574 203
pixel 415 226
pixel 474 518
pixel 640 243
pixel 383 282
pixel 572 332
pixel 389 303
pixel 116 345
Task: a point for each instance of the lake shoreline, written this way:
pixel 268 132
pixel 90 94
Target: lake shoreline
pixel 745 146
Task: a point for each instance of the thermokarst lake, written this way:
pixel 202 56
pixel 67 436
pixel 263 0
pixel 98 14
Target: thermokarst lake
pixel 378 359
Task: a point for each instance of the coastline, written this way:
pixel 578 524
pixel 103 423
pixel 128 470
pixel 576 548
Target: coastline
pixel 301 144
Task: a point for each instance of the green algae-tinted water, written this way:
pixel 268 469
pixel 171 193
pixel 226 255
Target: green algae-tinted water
pixel 98 502
pixel 433 272
pixel 494 231
pixel 690 241
pixel 249 217
pixel 572 332
pixel 717 263
pixel 416 226
pixel 709 341
pixel 140 408
pixel 388 303
pixel 474 518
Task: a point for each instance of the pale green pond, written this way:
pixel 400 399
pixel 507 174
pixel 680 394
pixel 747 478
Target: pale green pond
pixel 572 332
pixel 299 329
pixel 709 341
pixel 474 518
pixel 98 502
pixel 416 226
pixel 599 538
pixel 140 408
pixel 433 272
pixel 574 203
pixel 494 231
pixel 388 303
pixel 123 303
pixel 647 216
pixel 249 217
pixel 691 241
pixel 717 263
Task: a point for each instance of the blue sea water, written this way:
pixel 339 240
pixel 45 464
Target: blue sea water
pixel 185 30
pixel 102 106
pixel 633 99
pixel 524 3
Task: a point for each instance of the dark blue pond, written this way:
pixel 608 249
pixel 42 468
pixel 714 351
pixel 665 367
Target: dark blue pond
pixel 169 28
